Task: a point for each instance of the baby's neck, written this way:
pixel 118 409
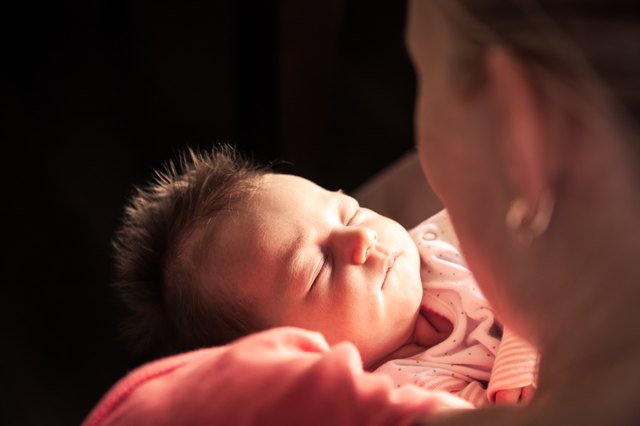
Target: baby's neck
pixel 430 329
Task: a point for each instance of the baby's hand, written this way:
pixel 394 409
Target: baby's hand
pixel 513 396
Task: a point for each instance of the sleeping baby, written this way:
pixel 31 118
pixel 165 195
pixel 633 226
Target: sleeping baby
pixel 217 247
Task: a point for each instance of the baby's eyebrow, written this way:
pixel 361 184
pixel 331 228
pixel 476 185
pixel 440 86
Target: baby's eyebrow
pixel 338 196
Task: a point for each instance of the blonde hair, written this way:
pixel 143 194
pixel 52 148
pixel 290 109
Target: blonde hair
pixel 588 44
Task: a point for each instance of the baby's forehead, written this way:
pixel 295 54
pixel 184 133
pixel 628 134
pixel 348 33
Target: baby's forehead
pixel 289 182
pixel 248 234
pixel 279 213
pixel 249 257
pixel 293 194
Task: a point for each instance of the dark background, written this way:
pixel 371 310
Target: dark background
pixel 96 94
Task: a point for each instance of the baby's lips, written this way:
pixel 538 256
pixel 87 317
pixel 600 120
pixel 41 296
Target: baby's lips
pixel 388 265
pixel 391 260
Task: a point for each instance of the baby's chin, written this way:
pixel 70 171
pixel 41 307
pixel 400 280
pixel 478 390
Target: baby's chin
pixel 410 299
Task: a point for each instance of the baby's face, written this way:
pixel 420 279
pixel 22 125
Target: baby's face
pixel 300 255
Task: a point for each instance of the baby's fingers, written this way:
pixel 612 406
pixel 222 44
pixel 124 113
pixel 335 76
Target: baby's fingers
pixel 527 393
pixel 513 396
pixel 508 396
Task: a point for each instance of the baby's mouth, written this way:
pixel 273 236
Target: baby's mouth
pixel 388 266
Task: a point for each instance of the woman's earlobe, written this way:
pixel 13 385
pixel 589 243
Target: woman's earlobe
pixel 528 222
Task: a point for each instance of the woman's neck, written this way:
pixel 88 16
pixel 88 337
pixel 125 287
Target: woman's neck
pixel 592 375
pixel 596 339
pixel 599 331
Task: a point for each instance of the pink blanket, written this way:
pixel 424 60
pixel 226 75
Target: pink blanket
pixel 282 376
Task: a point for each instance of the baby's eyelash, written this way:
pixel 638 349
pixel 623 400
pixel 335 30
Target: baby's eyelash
pixel 324 264
pixel 354 216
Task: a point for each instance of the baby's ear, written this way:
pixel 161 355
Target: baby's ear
pixel 526 140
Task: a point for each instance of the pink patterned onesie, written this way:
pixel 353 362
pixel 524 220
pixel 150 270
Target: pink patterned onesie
pixel 480 357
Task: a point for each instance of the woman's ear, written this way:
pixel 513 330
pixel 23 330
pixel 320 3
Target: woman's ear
pixel 526 146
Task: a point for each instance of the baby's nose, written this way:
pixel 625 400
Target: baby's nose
pixel 353 243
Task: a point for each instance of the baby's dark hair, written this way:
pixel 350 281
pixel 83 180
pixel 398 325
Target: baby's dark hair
pixel 158 249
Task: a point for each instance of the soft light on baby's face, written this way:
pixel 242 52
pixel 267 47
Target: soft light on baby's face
pixel 303 256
